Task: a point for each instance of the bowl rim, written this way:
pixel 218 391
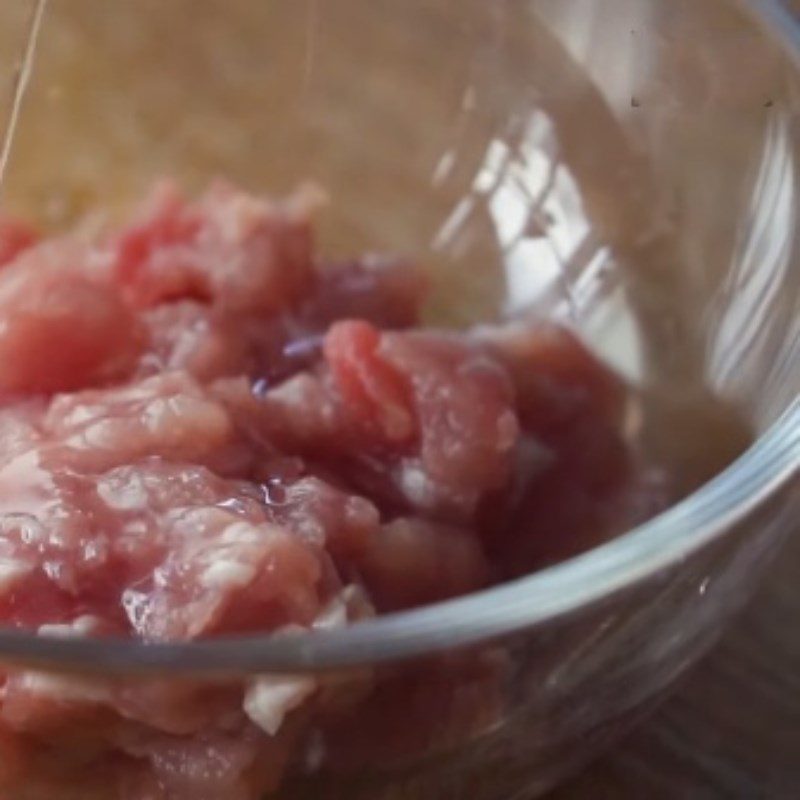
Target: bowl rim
pixel 534 601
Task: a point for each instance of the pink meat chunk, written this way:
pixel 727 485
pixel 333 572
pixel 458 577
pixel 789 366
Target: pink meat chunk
pixel 424 418
pixel 205 431
pixel 15 236
pixel 62 327
pixel 412 562
pixel 241 252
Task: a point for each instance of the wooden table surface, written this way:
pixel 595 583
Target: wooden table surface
pixel 732 729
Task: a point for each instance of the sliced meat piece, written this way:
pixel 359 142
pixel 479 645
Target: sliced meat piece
pixel 16 236
pixel 411 562
pixel 229 248
pixel 556 378
pixel 60 327
pixel 170 415
pixel 388 293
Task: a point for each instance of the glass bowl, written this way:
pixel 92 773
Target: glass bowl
pixel 627 165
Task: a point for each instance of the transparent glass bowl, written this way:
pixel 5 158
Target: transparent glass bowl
pixel 628 165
